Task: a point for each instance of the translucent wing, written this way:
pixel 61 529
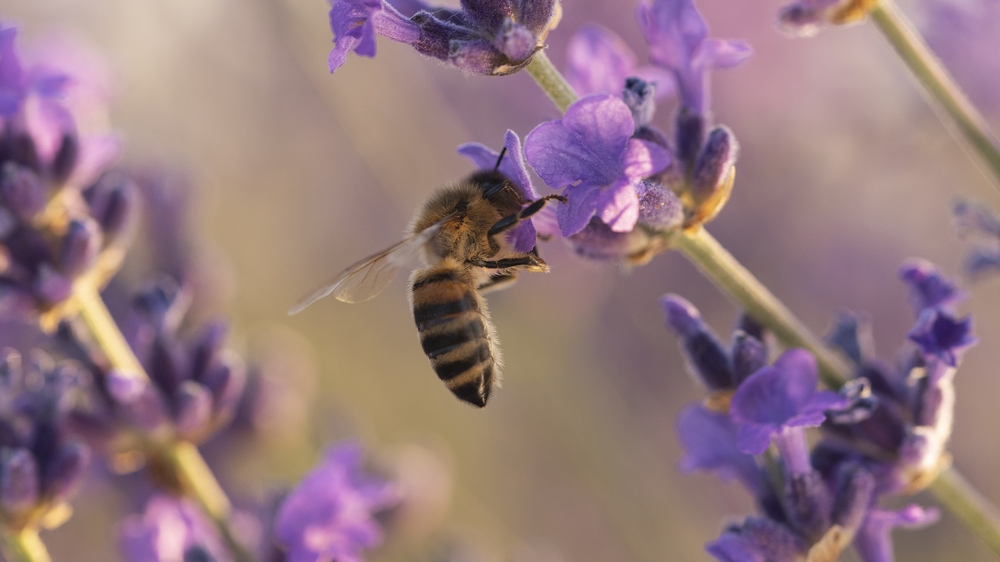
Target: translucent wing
pixel 368 277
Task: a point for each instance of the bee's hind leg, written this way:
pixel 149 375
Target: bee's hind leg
pixel 498 281
pixel 528 262
pixel 510 221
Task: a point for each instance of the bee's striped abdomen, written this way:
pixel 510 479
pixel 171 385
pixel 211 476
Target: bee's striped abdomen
pixel 455 333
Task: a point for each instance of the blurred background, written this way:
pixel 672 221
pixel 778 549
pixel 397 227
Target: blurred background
pixel 292 174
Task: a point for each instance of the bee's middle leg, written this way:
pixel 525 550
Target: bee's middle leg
pixel 510 221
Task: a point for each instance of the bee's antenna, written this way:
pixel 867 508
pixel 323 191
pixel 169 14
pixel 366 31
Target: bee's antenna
pixel 500 159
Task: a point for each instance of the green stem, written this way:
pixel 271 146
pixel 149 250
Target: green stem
pixel 551 81
pixel 950 487
pixel 721 267
pixel 932 75
pixel 23 546
pixel 180 457
pixel 964 502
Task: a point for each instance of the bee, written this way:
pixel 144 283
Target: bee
pixel 458 236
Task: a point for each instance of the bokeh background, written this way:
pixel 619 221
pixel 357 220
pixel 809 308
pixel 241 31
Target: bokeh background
pixel 292 174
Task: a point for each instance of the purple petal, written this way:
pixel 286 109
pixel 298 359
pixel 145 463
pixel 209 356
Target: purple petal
pixel 724 53
pixel 754 439
pixel 574 215
pixel 673 29
pixel 598 61
pixel 813 412
pixel 800 371
pixel 709 441
pixel 618 206
pixel 329 515
pixel 643 159
pixel 586 145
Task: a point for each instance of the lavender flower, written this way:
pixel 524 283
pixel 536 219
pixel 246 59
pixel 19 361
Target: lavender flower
pixel 40 465
pixel 355 23
pixel 171 530
pixel 803 18
pixel 678 42
pixel 512 166
pixel 598 61
pixel 45 162
pixel 194 383
pixel 774 401
pixel 718 368
pixel 329 516
pixel 979 223
pixel 589 152
pixel 914 403
pixel 494 37
pixel 812 505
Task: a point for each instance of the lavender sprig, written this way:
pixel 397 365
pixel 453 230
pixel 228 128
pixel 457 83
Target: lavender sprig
pixel 712 259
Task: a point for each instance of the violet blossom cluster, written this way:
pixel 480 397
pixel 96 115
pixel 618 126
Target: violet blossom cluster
pixel 41 465
pixel 57 212
pixel 883 434
pixel 977 222
pixel 490 37
pixel 623 177
pixel 66 218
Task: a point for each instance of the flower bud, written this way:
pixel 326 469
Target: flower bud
pixel 66 157
pixel 65 471
pixel 689 131
pixel 714 165
pixel 112 202
pixel 808 503
pixel 748 355
pixel 194 408
pixel 706 357
pixel 80 247
pixel 140 402
pixel 22 191
pixel 852 496
pixel 18 481
pixel 639 96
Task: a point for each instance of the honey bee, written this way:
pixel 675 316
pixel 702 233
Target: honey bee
pixel 457 236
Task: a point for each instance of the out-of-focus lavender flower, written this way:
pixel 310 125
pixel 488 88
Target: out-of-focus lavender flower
pixel 170 530
pixel 978 222
pixel 803 18
pixel 598 61
pixel 194 383
pixel 40 465
pixel 512 166
pixel 905 437
pixel 330 514
pixel 493 37
pixel 49 233
pixel 678 42
pixel 591 154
